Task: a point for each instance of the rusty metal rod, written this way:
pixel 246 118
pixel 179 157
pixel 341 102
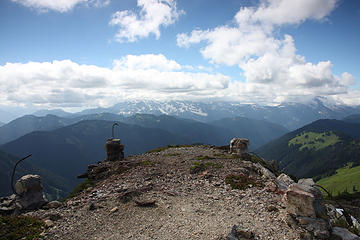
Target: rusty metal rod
pixel 13 173
pixel 112 130
pixel 345 213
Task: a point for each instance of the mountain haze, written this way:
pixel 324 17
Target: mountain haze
pixel 192 131
pixel 258 131
pixel 355 118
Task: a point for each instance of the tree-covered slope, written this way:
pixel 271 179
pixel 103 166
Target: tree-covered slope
pixel 55 186
pixel 346 179
pixel 315 150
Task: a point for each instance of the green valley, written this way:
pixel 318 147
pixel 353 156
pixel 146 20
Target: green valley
pixel 346 179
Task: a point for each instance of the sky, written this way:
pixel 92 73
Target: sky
pixel 76 54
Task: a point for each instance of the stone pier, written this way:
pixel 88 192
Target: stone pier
pixel 239 146
pixel 114 150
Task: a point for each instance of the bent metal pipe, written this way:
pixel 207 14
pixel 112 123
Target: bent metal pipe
pixel 13 173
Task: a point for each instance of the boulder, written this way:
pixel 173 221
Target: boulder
pixel 305 201
pixel 266 173
pixel 339 233
pixel 52 205
pixel 285 179
pixel 280 184
pixel 307 181
pixel 318 227
pixel 29 192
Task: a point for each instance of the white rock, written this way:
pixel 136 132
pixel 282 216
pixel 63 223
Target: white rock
pixel 49 223
pixel 307 181
pixel 285 179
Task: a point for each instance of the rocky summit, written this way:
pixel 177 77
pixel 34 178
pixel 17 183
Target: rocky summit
pixel 189 192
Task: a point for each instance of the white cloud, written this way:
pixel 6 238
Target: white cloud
pixel 146 61
pixel 273 70
pixel 59 5
pixel 68 84
pixel 280 12
pixel 153 15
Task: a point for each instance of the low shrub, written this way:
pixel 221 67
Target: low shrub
pixel 20 227
pixel 241 182
pixel 200 167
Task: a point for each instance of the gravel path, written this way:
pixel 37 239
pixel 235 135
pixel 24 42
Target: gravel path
pixel 187 205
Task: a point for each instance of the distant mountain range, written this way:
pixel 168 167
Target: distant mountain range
pixel 6 116
pixel 57 112
pixel 2 124
pixel 217 133
pixel 316 150
pixel 289 115
pixel 66 151
pixel 63 144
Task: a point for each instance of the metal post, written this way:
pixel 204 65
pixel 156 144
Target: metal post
pixel 13 173
pixel 345 213
pixel 113 126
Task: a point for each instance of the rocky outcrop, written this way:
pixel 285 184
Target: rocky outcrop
pixel 114 153
pixel 159 191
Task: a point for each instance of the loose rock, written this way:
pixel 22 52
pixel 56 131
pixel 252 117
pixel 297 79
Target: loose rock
pixel 339 233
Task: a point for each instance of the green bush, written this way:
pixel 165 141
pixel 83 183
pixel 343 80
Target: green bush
pixel 200 167
pixel 204 157
pixel 147 163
